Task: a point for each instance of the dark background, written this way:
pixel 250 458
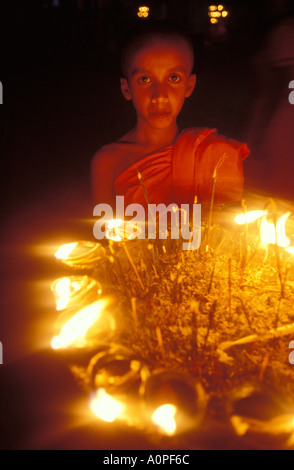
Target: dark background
pixel 61 102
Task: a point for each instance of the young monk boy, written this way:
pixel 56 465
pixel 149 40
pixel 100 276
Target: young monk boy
pixel 156 162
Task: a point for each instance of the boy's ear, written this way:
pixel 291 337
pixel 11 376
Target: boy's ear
pixel 191 85
pixel 124 86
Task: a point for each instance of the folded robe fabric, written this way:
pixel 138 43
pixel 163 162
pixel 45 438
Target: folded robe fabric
pixel 179 172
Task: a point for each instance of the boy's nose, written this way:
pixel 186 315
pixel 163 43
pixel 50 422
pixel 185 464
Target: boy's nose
pixel 159 94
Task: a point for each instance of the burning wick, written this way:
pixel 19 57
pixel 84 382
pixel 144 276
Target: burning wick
pixel 164 417
pixel 105 407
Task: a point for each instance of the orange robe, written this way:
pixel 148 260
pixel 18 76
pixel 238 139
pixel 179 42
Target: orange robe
pixel 179 172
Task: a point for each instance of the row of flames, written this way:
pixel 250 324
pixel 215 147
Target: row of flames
pixel 86 316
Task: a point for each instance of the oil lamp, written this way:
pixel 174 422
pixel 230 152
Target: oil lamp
pixel 80 254
pixel 115 377
pixel 117 370
pixel 174 402
pixel 75 290
pixel 261 416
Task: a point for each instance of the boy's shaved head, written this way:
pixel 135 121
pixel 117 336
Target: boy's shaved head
pixel 149 33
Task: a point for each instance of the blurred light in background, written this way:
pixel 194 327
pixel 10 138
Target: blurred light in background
pixel 143 12
pixel 216 13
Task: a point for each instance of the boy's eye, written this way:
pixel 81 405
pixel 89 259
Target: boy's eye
pixel 144 79
pixel 174 77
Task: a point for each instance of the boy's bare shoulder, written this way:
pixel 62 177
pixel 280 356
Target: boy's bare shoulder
pixel 109 152
pixel 109 159
pixel 116 155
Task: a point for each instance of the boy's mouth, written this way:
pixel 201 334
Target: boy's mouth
pixel 161 114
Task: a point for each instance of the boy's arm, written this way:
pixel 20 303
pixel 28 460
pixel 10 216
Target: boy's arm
pixel 102 177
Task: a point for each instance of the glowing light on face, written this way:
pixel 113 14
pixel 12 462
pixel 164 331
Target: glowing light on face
pixel 164 417
pixel 213 20
pixel 106 407
pixel 212 8
pixel 269 234
pixel 75 329
pixel 242 219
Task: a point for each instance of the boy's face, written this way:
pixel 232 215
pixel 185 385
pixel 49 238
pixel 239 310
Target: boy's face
pixel 158 81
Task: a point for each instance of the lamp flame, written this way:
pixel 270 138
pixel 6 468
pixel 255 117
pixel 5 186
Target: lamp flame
pixel 62 292
pixel 75 329
pixel 242 219
pixel 269 234
pixel 164 417
pixel 105 407
pixel 64 251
